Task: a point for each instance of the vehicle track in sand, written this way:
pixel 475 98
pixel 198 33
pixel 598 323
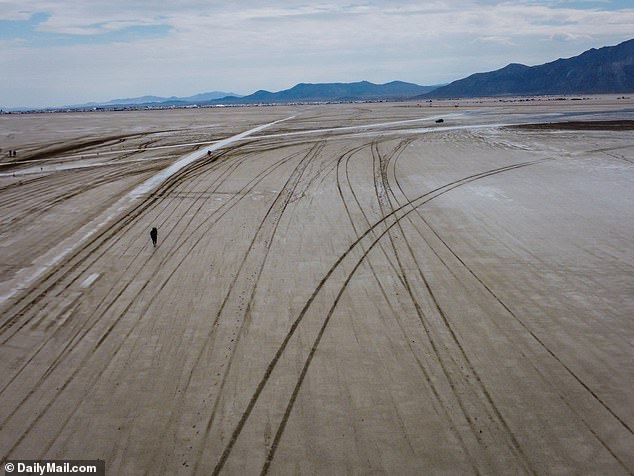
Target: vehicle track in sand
pixel 397 215
pixel 417 202
pixel 92 256
pixel 474 401
pixel 155 200
pixel 488 290
pixel 319 302
pixel 180 241
pixel 244 285
pixel 394 263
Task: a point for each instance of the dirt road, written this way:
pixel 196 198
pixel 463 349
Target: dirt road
pixel 353 290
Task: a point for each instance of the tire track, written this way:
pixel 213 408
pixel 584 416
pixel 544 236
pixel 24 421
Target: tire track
pixel 265 234
pixel 540 342
pixel 95 257
pixel 250 186
pixel 461 386
pixel 400 273
pixel 512 314
pixel 41 279
pixel 172 182
pixel 36 210
pixel 178 402
pixel 425 198
pixel 91 257
pixel 418 201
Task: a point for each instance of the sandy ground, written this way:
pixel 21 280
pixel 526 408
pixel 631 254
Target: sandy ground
pixel 353 290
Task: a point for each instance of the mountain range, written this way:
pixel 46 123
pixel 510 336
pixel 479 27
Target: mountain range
pixel 303 92
pixel 148 100
pixel 605 70
pixel 334 92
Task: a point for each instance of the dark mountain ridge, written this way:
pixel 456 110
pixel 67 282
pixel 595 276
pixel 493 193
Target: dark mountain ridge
pixel 302 92
pixel 332 92
pixel 596 71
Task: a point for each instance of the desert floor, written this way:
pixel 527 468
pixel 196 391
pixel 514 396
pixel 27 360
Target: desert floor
pixel 352 289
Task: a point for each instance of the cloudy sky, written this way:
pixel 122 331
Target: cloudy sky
pixel 56 52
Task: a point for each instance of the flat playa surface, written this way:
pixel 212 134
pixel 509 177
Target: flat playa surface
pixel 355 289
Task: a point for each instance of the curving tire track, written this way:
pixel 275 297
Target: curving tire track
pixel 150 300
pixel 488 290
pixel 386 208
pixel 94 256
pixel 202 362
pixel 472 399
pixel 88 253
pixel 397 214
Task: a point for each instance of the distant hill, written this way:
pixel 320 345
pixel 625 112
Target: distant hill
pixel 605 70
pixel 158 100
pixel 139 100
pixel 207 96
pixel 332 92
pixel 303 92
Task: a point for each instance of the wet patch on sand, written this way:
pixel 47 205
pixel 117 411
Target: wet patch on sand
pixel 581 126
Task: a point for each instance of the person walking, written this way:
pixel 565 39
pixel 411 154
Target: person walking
pixel 154 235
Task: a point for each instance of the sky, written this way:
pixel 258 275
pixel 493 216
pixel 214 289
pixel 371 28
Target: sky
pixel 62 52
